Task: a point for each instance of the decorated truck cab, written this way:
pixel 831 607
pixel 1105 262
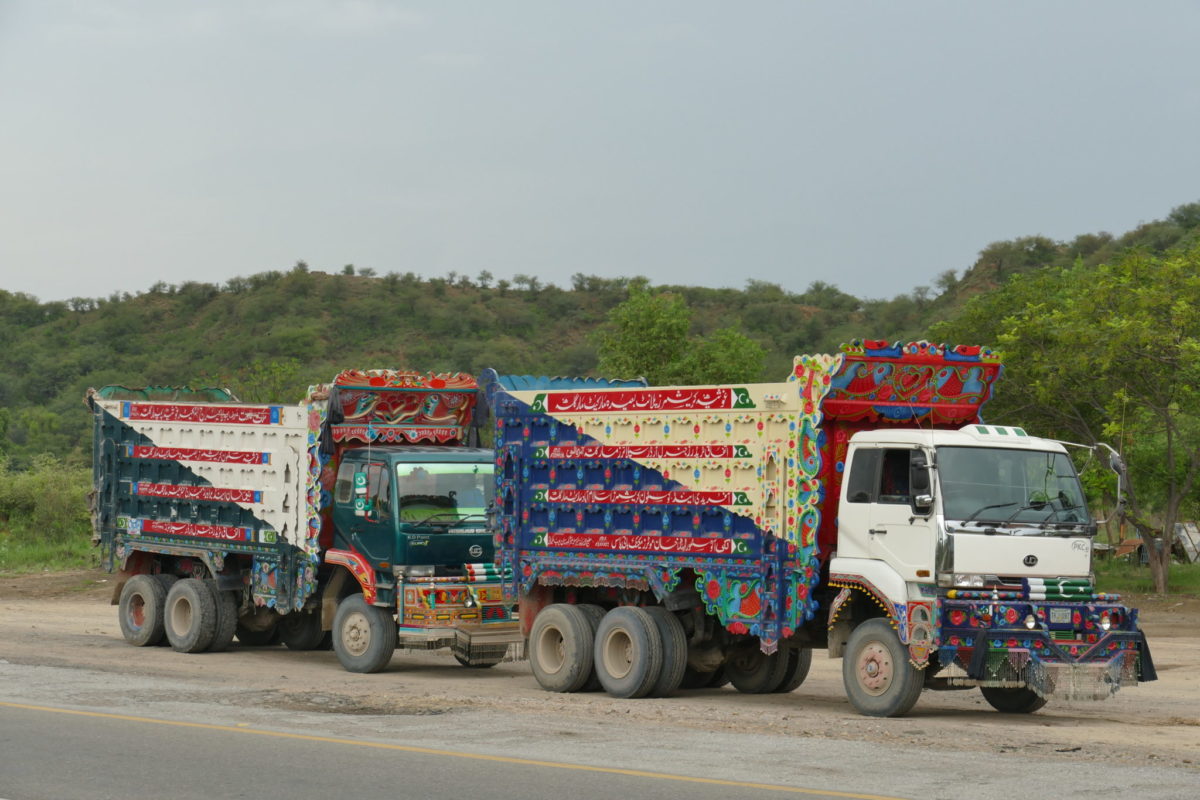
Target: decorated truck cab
pixel 688 536
pixel 306 523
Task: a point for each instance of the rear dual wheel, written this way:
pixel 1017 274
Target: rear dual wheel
pixel 629 651
pixel 561 647
pixel 140 610
pixel 191 616
pixel 751 671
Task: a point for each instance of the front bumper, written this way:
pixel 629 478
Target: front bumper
pixel 1071 659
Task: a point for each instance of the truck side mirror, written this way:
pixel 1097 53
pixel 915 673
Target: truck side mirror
pixel 918 474
pixel 919 483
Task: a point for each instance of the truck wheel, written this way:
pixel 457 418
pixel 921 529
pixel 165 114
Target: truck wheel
pixel 300 630
pixel 253 638
pixel 191 616
pixel 167 580
pixel 1022 700
pixel 718 678
pixel 751 671
pixel 628 652
pixel 675 651
pixel 364 636
pixel 141 610
pixel 560 648
pixel 879 680
pixel 694 679
pixel 227 615
pixel 594 614
pixel 484 664
pixel 799 661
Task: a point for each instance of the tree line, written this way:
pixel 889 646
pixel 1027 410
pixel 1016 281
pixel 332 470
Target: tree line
pixel 1099 335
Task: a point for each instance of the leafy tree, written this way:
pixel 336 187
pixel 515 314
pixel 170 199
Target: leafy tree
pixel 1109 352
pixel 647 335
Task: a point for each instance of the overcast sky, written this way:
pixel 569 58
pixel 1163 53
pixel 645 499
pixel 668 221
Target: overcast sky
pixel 872 145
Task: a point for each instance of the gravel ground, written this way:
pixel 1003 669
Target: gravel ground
pixel 65 620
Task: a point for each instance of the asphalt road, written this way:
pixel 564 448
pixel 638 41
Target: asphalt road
pixel 67 732
pixel 50 752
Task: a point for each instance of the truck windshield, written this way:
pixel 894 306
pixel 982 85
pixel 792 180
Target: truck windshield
pixel 1019 487
pixel 443 493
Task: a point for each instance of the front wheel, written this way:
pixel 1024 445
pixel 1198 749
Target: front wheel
pixel 477 663
pixel 879 680
pixel 364 636
pixel 1021 700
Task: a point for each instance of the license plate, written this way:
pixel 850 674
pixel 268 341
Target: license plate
pixel 1060 616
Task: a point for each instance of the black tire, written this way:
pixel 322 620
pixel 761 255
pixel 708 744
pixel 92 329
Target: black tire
pixel 227 608
pixel 694 679
pixel 1022 700
pixel 718 678
pixel 879 680
pixel 252 638
pixel 140 610
pixel 675 652
pixel 628 652
pixel 560 648
pixel 484 664
pixel 799 662
pixel 364 636
pixel 751 671
pixel 190 617
pixel 594 614
pixel 301 630
pixel 167 580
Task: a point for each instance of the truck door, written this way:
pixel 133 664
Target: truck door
pixel 368 489
pixel 896 535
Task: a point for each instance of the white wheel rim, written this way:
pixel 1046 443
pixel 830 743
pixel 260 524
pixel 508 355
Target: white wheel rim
pixel 617 653
pixel 181 615
pixel 551 650
pixel 356 634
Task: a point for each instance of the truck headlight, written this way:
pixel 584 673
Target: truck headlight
pixel 1105 621
pixel 1030 621
pixel 968 580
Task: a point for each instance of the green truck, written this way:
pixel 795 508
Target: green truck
pixel 356 519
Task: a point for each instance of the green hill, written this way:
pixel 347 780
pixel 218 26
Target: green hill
pixel 268 336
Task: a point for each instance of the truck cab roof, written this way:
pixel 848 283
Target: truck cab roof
pixel 975 435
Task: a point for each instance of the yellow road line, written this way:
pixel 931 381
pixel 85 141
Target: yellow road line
pixel 636 773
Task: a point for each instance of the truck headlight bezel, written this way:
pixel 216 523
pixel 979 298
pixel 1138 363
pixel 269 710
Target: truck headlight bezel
pixel 968 580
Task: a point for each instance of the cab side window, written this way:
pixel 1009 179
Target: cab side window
pixel 863 481
pixel 379 489
pixel 343 489
pixel 893 477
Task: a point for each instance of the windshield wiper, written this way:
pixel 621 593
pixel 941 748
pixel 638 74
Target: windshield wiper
pixel 449 519
pixel 980 510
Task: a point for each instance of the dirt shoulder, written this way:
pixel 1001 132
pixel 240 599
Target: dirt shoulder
pixel 65 619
